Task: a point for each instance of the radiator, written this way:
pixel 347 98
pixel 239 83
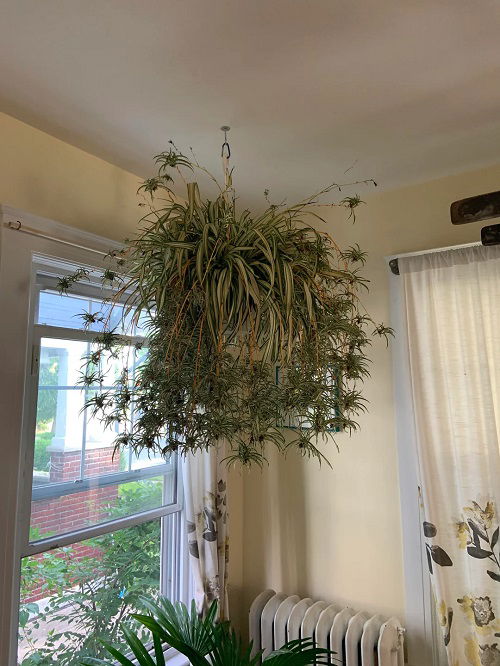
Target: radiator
pixel 356 639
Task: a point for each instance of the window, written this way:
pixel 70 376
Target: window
pixel 99 527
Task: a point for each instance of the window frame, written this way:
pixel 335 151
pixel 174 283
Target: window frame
pixel 21 254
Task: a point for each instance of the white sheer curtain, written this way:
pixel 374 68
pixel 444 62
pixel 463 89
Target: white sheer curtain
pixel 453 320
pixel 205 488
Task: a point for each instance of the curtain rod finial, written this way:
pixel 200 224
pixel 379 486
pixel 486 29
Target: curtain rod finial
pixel 394 266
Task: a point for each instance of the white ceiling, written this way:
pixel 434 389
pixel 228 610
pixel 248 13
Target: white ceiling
pixel 404 90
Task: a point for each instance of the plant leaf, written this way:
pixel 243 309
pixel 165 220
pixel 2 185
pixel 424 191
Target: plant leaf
pixel 140 651
pixel 158 649
pixel 119 656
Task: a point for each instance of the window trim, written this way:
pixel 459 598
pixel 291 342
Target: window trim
pixel 53 490
pixel 20 256
pixel 69 538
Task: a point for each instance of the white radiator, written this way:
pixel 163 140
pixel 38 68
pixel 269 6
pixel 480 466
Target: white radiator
pixel 357 639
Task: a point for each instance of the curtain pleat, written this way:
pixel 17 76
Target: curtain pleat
pixel 453 318
pixel 205 493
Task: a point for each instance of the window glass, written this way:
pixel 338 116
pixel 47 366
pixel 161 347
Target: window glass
pixel 61 514
pixel 73 597
pixel 60 422
pixel 75 458
pixel 57 310
pixel 145 459
pixel 65 310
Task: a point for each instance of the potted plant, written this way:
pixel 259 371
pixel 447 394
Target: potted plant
pixel 254 324
pixel 201 640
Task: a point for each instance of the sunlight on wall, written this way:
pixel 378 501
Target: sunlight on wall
pixel 336 534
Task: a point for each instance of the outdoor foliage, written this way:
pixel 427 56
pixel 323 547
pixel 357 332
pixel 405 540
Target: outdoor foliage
pixel 46 414
pixel 227 297
pixel 41 458
pixel 201 640
pixel 47 400
pixel 87 597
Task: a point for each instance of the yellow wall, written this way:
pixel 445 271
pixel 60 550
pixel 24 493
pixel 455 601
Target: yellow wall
pixel 42 175
pixel 336 534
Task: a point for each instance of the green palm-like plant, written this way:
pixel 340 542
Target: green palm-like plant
pixel 203 641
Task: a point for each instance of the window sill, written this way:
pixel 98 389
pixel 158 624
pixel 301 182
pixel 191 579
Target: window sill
pixel 175 658
pixel 172 658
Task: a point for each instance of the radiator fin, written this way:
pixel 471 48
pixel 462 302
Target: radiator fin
pixel 323 628
pixel 294 623
pixel 357 639
pixel 267 623
pixel 281 619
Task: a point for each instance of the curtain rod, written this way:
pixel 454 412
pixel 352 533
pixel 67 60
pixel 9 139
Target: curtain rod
pixel 18 226
pixel 393 260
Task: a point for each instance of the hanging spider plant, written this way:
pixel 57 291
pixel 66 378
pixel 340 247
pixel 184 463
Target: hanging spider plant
pixel 228 297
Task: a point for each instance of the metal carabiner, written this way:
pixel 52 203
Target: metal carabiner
pixel 225 145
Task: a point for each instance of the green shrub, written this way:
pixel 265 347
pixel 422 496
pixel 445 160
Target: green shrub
pixel 42 456
pixel 88 596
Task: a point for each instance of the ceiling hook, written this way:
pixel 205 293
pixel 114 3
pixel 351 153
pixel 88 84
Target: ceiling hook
pixel 225 145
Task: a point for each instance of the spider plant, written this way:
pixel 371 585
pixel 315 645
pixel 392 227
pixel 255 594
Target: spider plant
pixel 201 640
pixel 231 301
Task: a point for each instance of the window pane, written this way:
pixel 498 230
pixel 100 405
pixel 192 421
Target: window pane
pixel 65 310
pixel 59 428
pixel 72 597
pixel 99 455
pixel 57 310
pixel 69 442
pixel 146 459
pixel 62 514
pixel 75 456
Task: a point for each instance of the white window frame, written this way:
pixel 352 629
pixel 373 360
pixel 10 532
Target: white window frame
pixel 18 337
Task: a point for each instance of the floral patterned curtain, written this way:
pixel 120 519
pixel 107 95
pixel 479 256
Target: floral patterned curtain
pixel 205 484
pixel 453 318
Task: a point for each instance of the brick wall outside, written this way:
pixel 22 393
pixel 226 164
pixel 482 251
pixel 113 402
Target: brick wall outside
pixel 70 512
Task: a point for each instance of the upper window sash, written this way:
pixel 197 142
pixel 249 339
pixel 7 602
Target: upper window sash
pixel 88 294
pixel 53 490
pixel 62 333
